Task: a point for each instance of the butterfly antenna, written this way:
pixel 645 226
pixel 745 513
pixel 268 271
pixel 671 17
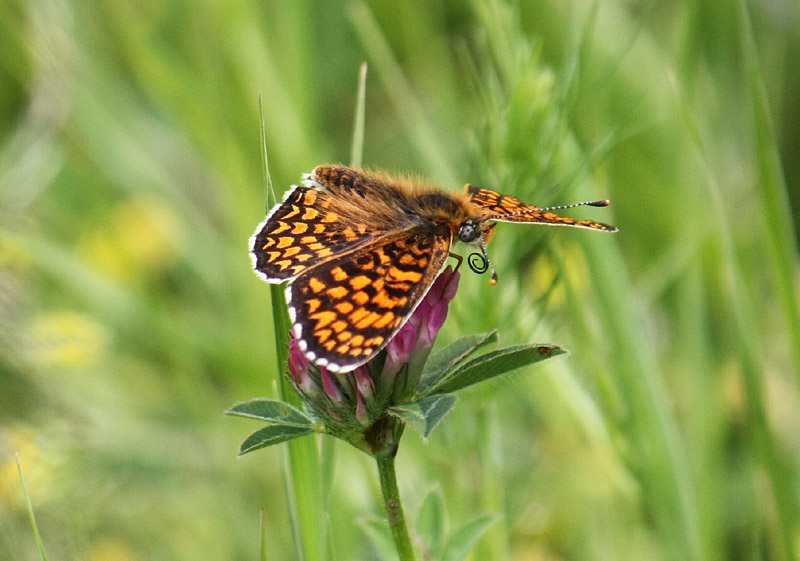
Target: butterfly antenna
pixel 604 202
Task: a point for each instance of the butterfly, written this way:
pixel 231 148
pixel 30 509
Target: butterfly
pixel 359 250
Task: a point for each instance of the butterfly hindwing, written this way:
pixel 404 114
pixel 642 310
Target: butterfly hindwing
pixel 345 310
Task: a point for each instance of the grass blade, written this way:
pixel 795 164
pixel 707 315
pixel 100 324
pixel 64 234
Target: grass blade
pixel 357 151
pixel 654 432
pixel 262 523
pixel 301 460
pixel 409 110
pixel 780 230
pixel 31 516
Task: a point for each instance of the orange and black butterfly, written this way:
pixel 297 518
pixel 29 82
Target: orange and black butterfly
pixel 359 251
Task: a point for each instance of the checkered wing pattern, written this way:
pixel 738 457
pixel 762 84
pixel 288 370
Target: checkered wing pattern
pixel 302 232
pixel 504 208
pixel 345 310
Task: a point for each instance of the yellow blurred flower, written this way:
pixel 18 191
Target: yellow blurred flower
pixel 143 237
pixel 540 283
pixel 535 552
pixel 37 472
pixel 110 549
pixel 576 268
pixel 67 339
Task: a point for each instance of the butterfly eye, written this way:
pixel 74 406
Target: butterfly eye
pixel 468 232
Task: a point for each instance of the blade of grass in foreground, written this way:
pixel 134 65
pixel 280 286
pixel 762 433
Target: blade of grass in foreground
pixel 308 473
pixel 31 516
pixel 357 150
pixel 301 461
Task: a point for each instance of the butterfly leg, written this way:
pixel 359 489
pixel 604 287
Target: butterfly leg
pixel 459 260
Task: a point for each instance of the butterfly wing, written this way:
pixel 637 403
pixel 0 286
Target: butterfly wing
pixel 302 231
pixel 345 310
pixel 504 208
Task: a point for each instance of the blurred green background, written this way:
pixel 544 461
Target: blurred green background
pixel 131 178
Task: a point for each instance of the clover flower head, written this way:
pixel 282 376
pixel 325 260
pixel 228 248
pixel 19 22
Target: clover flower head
pixel 350 403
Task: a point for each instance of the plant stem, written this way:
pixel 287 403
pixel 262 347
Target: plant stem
pixel 394 509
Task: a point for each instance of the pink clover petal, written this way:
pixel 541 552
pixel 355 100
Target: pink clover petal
pixel 361 410
pixel 364 382
pixel 434 322
pixel 441 283
pixel 298 363
pixel 400 347
pixel 451 287
pixel 298 369
pixel 329 386
pixel 420 311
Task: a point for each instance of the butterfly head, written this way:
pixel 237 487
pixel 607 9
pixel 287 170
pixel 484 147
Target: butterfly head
pixel 477 231
pixel 470 231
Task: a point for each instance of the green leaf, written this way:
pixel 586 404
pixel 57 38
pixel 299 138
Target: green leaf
pixel 462 541
pixel 430 522
pixel 271 411
pixel 423 415
pixel 495 363
pixel 447 358
pixel 272 434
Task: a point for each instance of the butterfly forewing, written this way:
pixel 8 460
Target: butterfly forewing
pixel 493 203
pixel 302 231
pixel 504 208
pixel 345 310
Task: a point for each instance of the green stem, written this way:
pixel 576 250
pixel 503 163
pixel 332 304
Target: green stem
pixel 394 509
